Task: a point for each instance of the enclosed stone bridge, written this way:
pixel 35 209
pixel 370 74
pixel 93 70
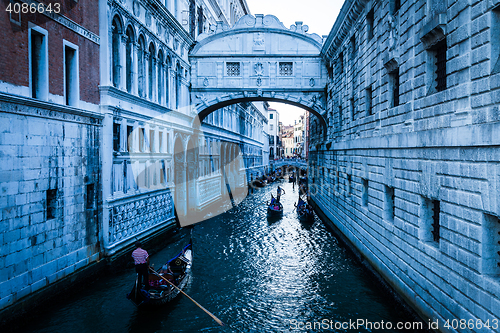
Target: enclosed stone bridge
pixel 258 59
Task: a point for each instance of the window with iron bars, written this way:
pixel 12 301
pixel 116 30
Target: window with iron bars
pixel 286 68
pixel 440 57
pixel 233 68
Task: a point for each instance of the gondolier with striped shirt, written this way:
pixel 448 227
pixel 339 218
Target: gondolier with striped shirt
pixel 141 260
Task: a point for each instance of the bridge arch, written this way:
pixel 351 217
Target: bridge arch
pixel 258 59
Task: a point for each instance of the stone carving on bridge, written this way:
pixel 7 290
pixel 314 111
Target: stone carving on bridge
pixel 261 21
pixel 259 82
pixel 259 69
pixel 259 43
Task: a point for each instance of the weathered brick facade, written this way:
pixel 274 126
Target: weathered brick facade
pixel 411 176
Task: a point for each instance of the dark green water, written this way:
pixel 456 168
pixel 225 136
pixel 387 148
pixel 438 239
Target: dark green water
pixel 254 274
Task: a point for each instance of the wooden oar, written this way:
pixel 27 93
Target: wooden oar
pixel 201 307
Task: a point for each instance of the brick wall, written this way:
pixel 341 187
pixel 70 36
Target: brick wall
pixel 436 149
pixel 14 54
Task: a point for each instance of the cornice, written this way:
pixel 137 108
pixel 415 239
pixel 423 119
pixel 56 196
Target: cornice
pixel 47 106
pixel 139 101
pixel 345 21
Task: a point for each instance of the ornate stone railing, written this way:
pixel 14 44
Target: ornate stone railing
pixel 129 218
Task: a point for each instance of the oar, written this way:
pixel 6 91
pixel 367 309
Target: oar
pixel 201 307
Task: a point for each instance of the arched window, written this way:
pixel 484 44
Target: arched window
pixel 151 71
pixel 167 80
pixel 161 72
pixel 116 31
pixel 129 48
pixel 140 65
pixel 178 76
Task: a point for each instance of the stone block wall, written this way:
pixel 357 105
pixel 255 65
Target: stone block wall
pixel 49 195
pixel 415 186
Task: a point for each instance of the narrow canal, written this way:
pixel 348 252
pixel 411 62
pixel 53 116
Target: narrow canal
pixel 254 274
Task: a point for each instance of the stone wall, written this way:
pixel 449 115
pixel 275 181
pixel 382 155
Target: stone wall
pixel 49 194
pixel 413 181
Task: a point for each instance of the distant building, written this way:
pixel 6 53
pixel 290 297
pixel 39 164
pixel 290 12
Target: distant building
pixel 273 118
pixel 298 137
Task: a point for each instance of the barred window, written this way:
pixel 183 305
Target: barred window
pixel 233 68
pixel 440 54
pixel 286 68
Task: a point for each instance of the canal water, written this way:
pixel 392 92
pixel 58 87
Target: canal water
pixel 255 274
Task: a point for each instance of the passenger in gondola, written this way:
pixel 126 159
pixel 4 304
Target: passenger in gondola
pixel 141 260
pixel 279 191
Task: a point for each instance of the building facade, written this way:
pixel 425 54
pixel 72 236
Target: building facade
pixel 412 150
pixel 49 142
pixel 298 137
pixel 273 133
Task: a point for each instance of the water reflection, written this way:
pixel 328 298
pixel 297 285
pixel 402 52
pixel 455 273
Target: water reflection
pixel 253 274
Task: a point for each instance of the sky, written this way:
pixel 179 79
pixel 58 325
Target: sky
pixel 319 15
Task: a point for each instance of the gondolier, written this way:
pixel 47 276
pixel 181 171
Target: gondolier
pixel 279 191
pixel 141 260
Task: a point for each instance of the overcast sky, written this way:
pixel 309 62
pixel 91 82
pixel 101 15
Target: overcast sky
pixel 319 15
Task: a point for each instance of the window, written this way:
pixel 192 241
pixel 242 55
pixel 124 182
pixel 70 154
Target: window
pixel 394 87
pixel 15 17
pixel 39 74
pixel 364 194
pixel 160 141
pixel 271 127
pixel 369 25
pixel 129 49
pixel 429 217
pixel 168 139
pixel 141 64
pixel 201 20
pixel 341 63
pixel 116 32
pixel 349 184
pixel 271 116
pixel 490 242
pixel 141 140
pixel 354 49
pixel 286 68
pixel 151 70
pixel 389 204
pixel 495 40
pixel 90 197
pixel 130 147
pixel 436 209
pixel 151 141
pixel 51 202
pixel 368 101
pixel 233 68
pixel 116 136
pixel 440 55
pixel 437 67
pixel 71 82
pixel 351 102
pixel 395 6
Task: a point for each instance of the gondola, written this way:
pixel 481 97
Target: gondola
pixel 275 209
pixel 176 270
pixel 304 215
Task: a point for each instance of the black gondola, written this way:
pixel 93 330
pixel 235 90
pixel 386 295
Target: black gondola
pixel 275 209
pixel 176 270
